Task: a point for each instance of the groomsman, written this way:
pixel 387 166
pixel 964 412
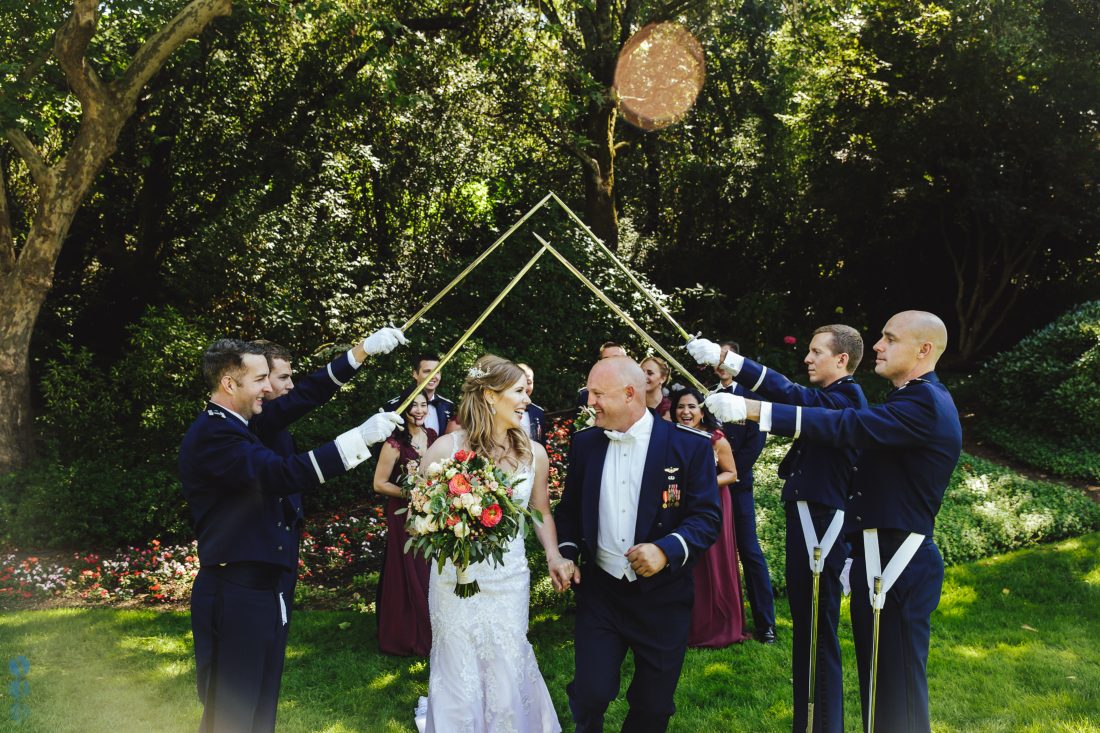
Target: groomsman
pixel 309 392
pixel 234 486
pixel 442 410
pixel 815 494
pixel 640 507
pixel 909 446
pixel 607 349
pixel 747 441
pixel 534 418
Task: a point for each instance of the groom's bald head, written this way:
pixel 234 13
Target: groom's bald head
pixel 616 390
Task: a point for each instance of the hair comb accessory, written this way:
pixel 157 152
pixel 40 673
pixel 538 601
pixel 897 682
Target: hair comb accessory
pixel 477 372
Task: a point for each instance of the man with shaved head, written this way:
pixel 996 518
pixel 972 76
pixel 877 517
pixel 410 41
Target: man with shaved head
pixel 909 446
pixel 640 507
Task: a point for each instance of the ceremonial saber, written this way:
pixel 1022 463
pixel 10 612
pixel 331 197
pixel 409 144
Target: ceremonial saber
pixel 813 642
pixel 619 312
pixel 469 331
pixel 469 268
pixel 626 270
pixel 874 657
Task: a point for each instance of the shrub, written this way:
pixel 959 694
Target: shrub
pixel 1041 399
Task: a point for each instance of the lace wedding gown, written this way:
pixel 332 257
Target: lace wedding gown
pixel 484 677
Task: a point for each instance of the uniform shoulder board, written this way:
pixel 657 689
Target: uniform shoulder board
pixel 216 413
pixel 689 429
pixel 914 380
pixel 537 407
pixel 585 428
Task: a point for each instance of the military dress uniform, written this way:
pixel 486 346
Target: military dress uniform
pixel 310 392
pixel 747 442
pixel 815 494
pixel 909 446
pixel 235 488
pixel 535 418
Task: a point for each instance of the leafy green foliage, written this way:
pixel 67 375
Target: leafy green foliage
pixel 987 509
pixel 1055 371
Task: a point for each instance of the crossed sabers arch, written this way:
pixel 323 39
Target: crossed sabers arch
pixel 546 247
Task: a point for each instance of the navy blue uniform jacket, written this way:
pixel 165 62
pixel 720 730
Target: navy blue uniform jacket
pixel 233 484
pixel 909 445
pixel 813 471
pixel 695 520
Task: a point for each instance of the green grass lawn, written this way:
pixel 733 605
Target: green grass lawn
pixel 1015 647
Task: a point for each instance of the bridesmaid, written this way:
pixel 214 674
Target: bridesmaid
pixel 402 602
pixel 656 375
pixel 716 617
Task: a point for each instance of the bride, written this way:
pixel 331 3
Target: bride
pixel 484 677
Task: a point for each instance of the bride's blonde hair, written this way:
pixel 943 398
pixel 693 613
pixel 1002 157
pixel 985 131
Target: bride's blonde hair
pixel 495 374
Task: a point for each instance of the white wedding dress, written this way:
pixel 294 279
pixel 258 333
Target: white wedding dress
pixel 484 677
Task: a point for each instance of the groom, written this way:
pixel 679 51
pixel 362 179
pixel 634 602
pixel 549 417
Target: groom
pixel 639 508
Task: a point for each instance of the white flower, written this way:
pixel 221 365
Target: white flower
pixel 461 530
pixel 434 469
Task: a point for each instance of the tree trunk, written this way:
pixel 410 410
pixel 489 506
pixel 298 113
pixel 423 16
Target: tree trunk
pixel 599 184
pixel 25 279
pixel 21 309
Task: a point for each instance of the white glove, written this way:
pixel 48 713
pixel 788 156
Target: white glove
pixel 704 351
pixel 726 407
pixel 378 427
pixel 708 352
pixel 384 340
pixel 845 574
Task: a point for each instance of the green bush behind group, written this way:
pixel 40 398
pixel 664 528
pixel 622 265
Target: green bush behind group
pixel 106 476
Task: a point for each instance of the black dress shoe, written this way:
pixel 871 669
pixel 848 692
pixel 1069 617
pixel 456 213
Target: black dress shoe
pixel 766 635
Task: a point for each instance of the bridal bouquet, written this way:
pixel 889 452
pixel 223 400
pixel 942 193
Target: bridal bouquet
pixel 462 511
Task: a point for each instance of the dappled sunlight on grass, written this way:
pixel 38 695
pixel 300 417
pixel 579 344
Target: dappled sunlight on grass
pixel 956 600
pixel 716 669
pixel 382 681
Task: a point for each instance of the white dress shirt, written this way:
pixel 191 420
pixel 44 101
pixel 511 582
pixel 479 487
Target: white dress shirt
pixel 431 420
pixel 621 485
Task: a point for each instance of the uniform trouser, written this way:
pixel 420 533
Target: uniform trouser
pixel 269 705
pixel 758 584
pixel 240 642
pixel 612 617
pixel 828 687
pixel 901 697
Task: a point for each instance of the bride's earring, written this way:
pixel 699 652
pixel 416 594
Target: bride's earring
pixel 492 409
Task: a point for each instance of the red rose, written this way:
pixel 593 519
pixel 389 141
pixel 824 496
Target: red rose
pixel 459 485
pixel 464 455
pixel 452 520
pixel 491 515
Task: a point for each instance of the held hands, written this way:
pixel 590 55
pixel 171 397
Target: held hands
pixel 384 340
pixel 563 574
pixel 727 407
pixel 647 559
pixel 378 427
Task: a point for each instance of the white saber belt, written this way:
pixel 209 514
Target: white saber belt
pixel 809 534
pixel 893 569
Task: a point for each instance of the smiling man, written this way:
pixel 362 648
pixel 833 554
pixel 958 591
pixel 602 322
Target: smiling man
pixel 909 446
pixel 640 507
pixel 234 486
